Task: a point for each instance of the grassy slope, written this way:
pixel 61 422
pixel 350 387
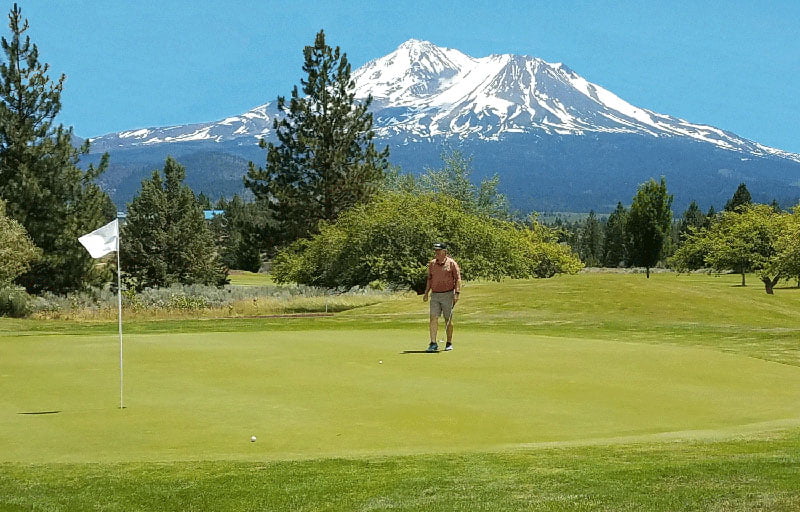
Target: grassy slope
pixel 706 310
pixel 748 471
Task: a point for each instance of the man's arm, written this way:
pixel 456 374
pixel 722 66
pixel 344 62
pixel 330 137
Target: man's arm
pixel 427 285
pixel 457 276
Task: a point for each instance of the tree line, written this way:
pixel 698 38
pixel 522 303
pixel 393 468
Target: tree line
pixel 327 209
pixel 745 237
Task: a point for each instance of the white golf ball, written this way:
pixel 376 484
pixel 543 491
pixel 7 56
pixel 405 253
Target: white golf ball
pixel 381 361
pixel 253 439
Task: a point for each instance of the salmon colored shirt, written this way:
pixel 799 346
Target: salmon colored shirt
pixel 443 277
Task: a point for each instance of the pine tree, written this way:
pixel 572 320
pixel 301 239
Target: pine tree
pixel 614 239
pixel 166 239
pixel 649 222
pixel 694 218
pixel 325 160
pixel 241 233
pixel 694 223
pixel 204 201
pixel 45 190
pixel 740 198
pixel 591 241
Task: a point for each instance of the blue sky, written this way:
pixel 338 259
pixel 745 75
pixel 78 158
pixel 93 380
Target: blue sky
pixel 133 64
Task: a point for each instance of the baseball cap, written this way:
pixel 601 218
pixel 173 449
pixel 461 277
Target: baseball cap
pixel 439 245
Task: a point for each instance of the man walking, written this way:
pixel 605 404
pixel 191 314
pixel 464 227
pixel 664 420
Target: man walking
pixel 444 281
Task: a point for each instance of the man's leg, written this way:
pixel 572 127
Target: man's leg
pixel 450 329
pixel 447 311
pixel 434 327
pixel 435 311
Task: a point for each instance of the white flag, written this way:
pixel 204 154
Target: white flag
pixel 101 241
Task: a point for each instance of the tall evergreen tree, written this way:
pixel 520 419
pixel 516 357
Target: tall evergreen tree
pixel 711 213
pixel 614 238
pixel 689 254
pixel 649 222
pixel 166 239
pixel 40 180
pixel 694 218
pixel 591 241
pixel 325 160
pixel 204 201
pixel 242 232
pixel 740 198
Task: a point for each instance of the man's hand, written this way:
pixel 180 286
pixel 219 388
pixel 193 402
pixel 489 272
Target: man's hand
pixel 425 297
pixel 455 299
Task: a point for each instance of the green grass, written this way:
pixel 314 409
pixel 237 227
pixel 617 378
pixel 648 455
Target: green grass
pixel 311 394
pixel 244 278
pixel 757 474
pixel 588 392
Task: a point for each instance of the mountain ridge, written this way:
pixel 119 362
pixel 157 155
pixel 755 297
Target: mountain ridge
pixel 425 94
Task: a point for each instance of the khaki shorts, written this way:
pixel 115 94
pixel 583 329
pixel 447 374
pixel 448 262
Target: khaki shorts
pixel 442 304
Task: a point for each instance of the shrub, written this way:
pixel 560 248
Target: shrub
pixel 17 250
pixel 389 240
pixel 194 298
pixel 14 302
pixel 188 302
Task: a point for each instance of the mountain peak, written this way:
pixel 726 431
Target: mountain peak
pixel 415 69
pixel 416 43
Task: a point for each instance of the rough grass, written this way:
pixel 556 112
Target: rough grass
pixel 759 473
pixel 243 308
pixel 259 297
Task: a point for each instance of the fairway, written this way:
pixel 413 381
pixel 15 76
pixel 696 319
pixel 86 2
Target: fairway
pixel 324 393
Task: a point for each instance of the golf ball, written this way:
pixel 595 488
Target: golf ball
pixel 253 439
pixel 381 361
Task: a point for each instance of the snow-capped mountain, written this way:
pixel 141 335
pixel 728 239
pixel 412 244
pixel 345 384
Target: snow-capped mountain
pixel 424 94
pixel 422 90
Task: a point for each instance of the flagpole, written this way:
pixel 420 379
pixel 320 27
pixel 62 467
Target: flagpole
pixel 100 242
pixel 119 316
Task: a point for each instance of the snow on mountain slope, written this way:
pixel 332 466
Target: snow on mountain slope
pixel 490 96
pixel 422 91
pixel 254 123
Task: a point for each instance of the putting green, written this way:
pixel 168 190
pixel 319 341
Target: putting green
pixel 308 394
